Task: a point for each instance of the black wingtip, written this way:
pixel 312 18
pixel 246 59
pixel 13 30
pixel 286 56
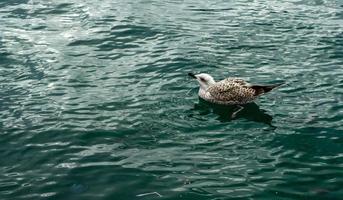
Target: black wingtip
pixel 192 75
pixel 261 89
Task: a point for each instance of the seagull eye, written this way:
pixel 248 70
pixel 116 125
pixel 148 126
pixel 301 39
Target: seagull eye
pixel 202 79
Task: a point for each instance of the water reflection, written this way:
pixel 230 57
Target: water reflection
pixel 225 113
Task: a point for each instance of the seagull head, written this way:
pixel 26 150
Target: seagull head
pixel 205 80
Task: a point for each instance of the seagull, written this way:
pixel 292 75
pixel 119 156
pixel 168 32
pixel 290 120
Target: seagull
pixel 229 91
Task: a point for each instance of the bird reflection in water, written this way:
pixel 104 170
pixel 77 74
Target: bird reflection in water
pixel 227 113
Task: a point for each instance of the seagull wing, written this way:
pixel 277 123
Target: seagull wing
pixel 232 89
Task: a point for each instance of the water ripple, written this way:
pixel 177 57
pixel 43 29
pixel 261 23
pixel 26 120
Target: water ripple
pixel 96 104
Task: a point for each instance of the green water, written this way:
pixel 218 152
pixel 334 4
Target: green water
pixel 95 101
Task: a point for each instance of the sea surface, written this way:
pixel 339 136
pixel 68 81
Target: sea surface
pixel 95 101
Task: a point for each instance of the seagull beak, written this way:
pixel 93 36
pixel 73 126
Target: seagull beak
pixel 192 75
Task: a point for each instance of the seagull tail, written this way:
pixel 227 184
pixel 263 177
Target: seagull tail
pixel 261 89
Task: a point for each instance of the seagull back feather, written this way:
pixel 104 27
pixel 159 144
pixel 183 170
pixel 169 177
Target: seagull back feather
pixel 232 90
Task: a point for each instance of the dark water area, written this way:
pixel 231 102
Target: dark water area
pixel 95 101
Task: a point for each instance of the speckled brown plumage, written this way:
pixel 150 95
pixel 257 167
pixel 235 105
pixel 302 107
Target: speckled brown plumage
pixel 230 90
